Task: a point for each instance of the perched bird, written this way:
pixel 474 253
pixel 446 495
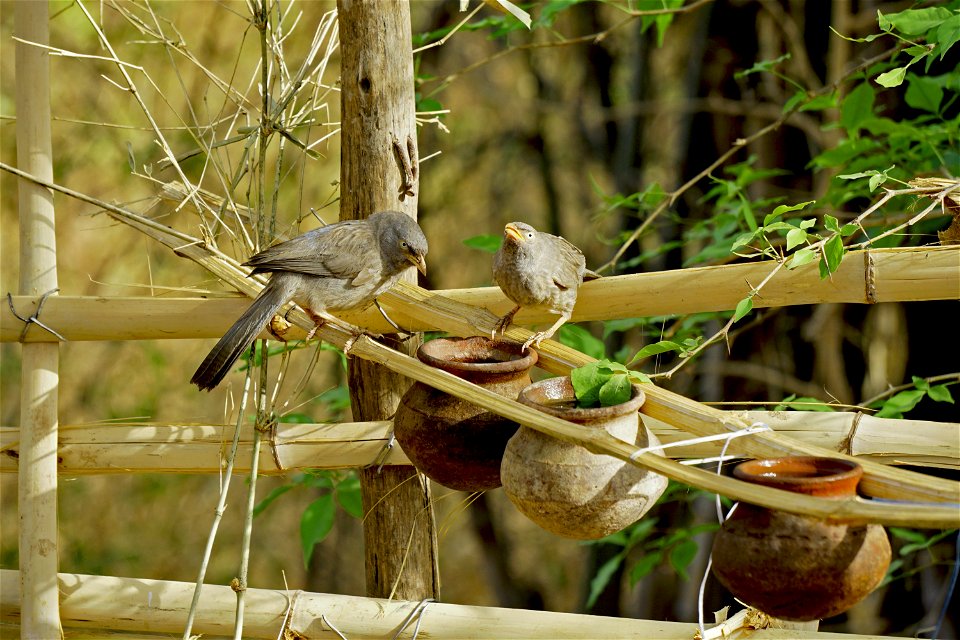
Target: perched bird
pixel 341 266
pixel 538 269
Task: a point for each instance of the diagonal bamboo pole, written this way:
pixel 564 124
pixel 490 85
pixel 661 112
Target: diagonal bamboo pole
pixel 37 482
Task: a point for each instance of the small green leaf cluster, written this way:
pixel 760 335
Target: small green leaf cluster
pixel 901 402
pixel 336 487
pixel 604 383
pixel 914 541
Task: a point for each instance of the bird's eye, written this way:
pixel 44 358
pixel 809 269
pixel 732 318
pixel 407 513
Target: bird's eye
pixel 530 234
pixel 403 244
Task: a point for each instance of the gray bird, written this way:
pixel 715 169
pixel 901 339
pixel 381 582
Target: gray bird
pixel 538 269
pixel 341 266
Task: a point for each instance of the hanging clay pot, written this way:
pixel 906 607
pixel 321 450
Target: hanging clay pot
pixel 454 442
pixel 798 567
pixel 566 489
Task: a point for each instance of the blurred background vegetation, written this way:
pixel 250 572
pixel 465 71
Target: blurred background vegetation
pixel 578 126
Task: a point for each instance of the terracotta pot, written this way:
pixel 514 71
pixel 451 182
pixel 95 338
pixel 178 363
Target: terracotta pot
pixel 798 567
pixel 566 489
pixel 452 441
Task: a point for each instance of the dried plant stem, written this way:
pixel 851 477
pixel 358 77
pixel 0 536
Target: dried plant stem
pixel 221 507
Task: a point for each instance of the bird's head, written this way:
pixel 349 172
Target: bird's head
pixel 402 239
pixel 519 233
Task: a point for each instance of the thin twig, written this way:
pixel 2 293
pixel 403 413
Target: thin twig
pixel 947 377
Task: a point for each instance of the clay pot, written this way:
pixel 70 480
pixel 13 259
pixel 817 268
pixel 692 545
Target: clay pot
pixel 454 442
pixel 799 567
pixel 566 489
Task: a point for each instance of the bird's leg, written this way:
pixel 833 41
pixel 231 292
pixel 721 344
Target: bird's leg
pixel 540 336
pixel 504 322
pixel 318 321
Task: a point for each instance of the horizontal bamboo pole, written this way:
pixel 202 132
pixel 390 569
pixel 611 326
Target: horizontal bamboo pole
pixel 899 275
pixel 195 448
pixel 141 605
pixel 882 481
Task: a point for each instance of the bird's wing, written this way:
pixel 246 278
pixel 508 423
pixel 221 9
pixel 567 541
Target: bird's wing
pixel 570 264
pixel 343 250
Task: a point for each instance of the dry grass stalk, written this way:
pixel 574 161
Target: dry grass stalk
pixel 881 275
pixel 196 448
pixel 37 478
pixel 138 605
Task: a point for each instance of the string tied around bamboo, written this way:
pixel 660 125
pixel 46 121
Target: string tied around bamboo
pixel 384 453
pixel 756 427
pixel 416 617
pixel 35 317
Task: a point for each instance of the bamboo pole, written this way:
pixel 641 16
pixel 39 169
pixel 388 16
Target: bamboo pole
pixel 379 171
pixel 895 275
pixel 139 605
pixel 198 448
pixel 37 475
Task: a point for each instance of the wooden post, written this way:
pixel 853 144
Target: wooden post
pixel 378 172
pixel 37 481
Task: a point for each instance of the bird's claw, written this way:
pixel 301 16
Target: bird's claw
pixel 534 340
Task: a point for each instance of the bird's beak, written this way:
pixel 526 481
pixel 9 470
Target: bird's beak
pixel 419 262
pixel 511 231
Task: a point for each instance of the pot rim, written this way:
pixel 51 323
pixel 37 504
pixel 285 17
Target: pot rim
pixel 446 353
pixel 561 389
pixel 818 475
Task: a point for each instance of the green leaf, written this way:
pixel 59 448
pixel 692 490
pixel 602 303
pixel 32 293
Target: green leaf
pixel 762 66
pixel 914 22
pixel 801 257
pixel 616 390
pixel 910 535
pixel 833 251
pixel 923 93
pixel 877 180
pixel 743 308
pixel 831 223
pixel 900 403
pixel 744 239
pixel 487 242
pixel 784 208
pixel 578 338
pixel 857 107
pixel 644 565
pixel 848 230
pixel 892 78
pixel 682 555
pixel 350 497
pixel 948 34
pixel 587 381
pixel 819 103
pixel 273 495
pixel 795 237
pixel 656 348
pixel 315 523
pixel 600 581
pixel 940 393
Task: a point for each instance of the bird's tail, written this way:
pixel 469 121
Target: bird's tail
pixel 238 337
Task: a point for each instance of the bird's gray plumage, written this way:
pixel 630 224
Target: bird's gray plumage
pixel 334 268
pixel 538 269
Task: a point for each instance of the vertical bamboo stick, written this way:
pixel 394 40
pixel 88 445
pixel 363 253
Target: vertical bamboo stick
pixel 378 134
pixel 37 483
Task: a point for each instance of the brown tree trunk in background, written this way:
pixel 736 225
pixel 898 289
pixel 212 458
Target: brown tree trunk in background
pixel 377 114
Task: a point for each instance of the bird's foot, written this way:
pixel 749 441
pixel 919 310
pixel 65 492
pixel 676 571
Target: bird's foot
pixel 318 321
pixel 534 340
pixel 279 327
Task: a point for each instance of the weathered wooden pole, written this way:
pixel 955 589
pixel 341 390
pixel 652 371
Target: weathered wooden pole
pixel 379 171
pixel 37 480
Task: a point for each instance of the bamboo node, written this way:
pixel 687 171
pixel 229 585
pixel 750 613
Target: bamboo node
pixel 846 445
pixel 869 277
pixel 35 318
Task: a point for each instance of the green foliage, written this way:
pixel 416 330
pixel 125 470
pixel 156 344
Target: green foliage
pixel 646 547
pixel 914 541
pixel 486 242
pixel 604 383
pixel 901 402
pixel 316 522
pixel 578 338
